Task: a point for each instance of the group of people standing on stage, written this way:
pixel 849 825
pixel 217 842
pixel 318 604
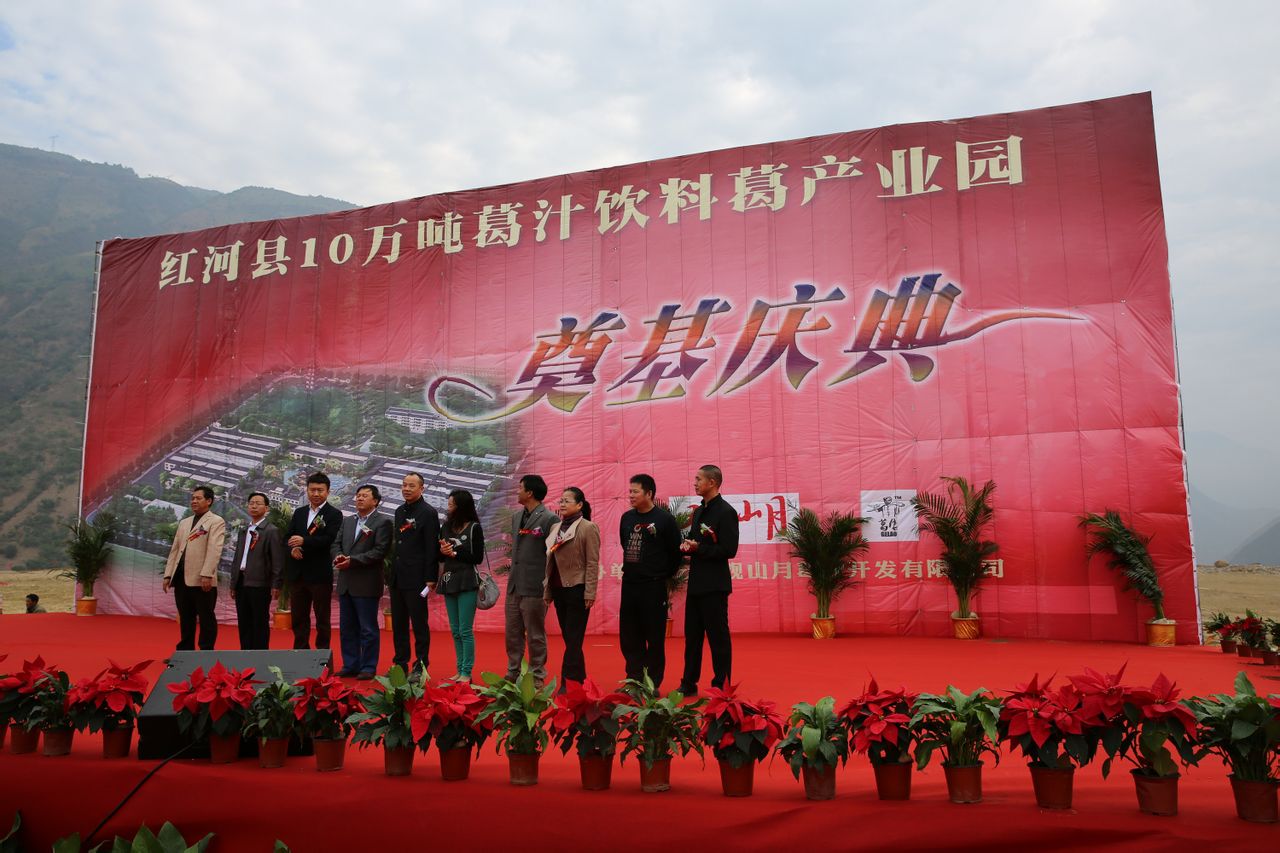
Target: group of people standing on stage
pixel 555 561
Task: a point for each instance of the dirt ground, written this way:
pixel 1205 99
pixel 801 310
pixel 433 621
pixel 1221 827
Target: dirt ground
pixel 1230 589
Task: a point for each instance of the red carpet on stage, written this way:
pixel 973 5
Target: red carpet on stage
pixel 360 808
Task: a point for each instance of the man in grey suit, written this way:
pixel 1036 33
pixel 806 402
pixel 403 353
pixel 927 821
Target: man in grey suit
pixel 257 572
pixel 525 610
pixel 358 553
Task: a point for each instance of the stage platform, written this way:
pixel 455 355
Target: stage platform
pixel 360 808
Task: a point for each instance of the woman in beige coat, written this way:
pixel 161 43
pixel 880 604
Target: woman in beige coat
pixel 573 569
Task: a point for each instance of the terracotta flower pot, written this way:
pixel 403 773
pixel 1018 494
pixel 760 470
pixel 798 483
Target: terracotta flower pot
pixel 1053 786
pixel 58 741
pixel 398 761
pixel 967 628
pixel 455 764
pixel 117 742
pixel 224 749
pixel 737 781
pixel 964 782
pixel 596 772
pixel 386 621
pixel 1255 801
pixel 331 753
pixel 671 626
pixel 1156 794
pixel 282 621
pixel 523 769
pixel 819 782
pixel 22 741
pixel 656 778
pixel 893 781
pixel 272 752
pixel 1243 651
pixel 823 628
pixel 1270 658
pixel 1161 633
pixel 1228 647
pixel 86 606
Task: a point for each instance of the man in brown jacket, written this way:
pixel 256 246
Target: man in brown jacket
pixel 192 571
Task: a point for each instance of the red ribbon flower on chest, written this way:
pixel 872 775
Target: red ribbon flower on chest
pixel 410 524
pixel 197 533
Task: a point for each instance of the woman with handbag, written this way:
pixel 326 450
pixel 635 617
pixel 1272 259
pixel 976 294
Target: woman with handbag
pixel 573 568
pixel 461 553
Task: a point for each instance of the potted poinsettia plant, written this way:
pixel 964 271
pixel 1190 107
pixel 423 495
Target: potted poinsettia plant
pixel 880 727
pixel 271 720
pixel 384 720
pixel 1243 729
pixel 1223 626
pixel 19 692
pixel 516 711
pixel 741 734
pixel 1152 720
pixel 109 703
pixel 583 717
pixel 961 727
pixel 816 741
pixel 1050 728
pixel 51 712
pixel 654 729
pixel 322 707
pixel 449 712
pixel 215 704
pixel 1251 635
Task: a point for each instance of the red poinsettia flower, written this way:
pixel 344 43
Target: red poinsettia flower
pixel 1161 702
pixel 1103 695
pixel 325 696
pixel 220 690
pixel 582 702
pixel 118 689
pixel 453 702
pixel 27 680
pixel 725 709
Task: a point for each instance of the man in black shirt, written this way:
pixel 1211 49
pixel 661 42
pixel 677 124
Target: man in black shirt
pixel 414 568
pixel 712 542
pixel 310 571
pixel 650 556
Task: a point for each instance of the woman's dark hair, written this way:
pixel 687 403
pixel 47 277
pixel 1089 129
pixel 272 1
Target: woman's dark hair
pixel 464 511
pixel 582 499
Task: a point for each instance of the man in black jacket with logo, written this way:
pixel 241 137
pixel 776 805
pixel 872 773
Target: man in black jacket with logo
pixel 650 556
pixel 310 571
pixel 414 568
pixel 712 542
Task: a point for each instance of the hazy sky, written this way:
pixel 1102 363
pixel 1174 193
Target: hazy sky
pixel 400 100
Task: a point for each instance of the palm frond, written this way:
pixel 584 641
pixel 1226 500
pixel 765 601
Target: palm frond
pixel 1127 553
pixel 958 520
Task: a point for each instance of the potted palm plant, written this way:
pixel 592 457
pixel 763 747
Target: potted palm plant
pixel 654 729
pixel 826 548
pixel 385 720
pixel 583 716
pixel 1127 553
pixel 740 734
pixel 678 582
pixel 1050 728
pixel 960 727
pixel 817 740
pixel 880 726
pixel 271 720
pixel 516 712
pixel 109 703
pixel 450 713
pixel 958 519
pixel 1244 730
pixel 279 517
pixel 215 704
pixel 88 548
pixel 1152 720
pixel 322 707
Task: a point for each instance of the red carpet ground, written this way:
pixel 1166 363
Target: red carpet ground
pixel 359 808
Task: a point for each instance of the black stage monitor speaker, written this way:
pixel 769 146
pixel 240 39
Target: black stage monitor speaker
pixel 158 734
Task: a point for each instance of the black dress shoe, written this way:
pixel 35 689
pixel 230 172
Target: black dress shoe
pixel 688 691
pixel 367 675
pixel 346 673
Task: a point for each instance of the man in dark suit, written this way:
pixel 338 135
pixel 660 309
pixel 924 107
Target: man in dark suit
pixel 358 555
pixel 258 569
pixel 414 568
pixel 192 571
pixel 312 532
pixel 712 543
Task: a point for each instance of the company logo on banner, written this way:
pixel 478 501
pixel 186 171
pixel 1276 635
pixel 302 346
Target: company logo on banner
pixel 761 518
pixel 890 516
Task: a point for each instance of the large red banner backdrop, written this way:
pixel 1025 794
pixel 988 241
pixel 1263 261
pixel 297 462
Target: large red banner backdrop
pixel 836 321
